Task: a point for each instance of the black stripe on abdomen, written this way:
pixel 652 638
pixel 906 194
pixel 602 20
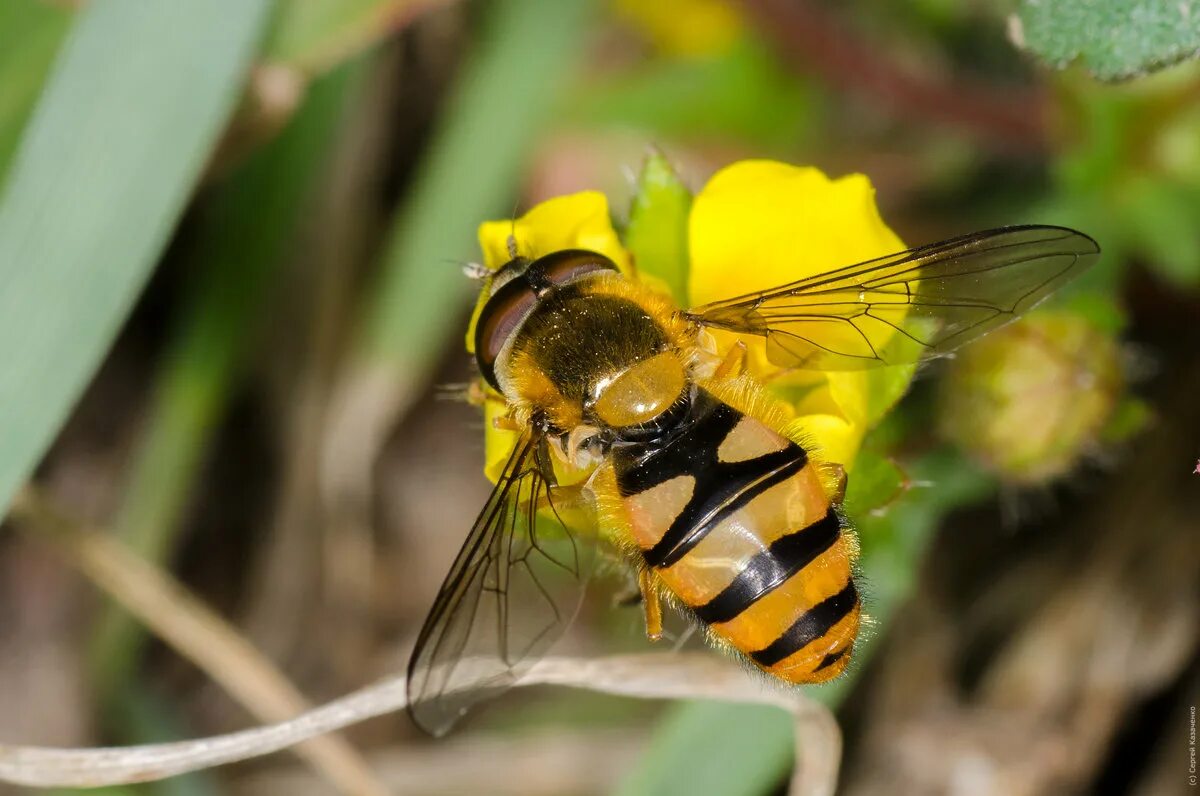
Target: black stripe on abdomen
pixel 721 488
pixel 716 500
pixel 701 431
pixel 769 569
pixel 831 659
pixel 814 623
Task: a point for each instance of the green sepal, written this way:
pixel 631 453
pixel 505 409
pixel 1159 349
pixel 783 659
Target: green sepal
pixel 657 233
pixel 877 482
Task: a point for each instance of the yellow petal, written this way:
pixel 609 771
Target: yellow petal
pixel 575 221
pixel 836 439
pixel 831 413
pixel 498 444
pixel 849 391
pixel 759 224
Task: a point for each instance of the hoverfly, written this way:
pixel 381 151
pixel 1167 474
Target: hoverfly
pixel 717 504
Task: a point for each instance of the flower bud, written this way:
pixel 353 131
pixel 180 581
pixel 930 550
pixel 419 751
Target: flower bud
pixel 1029 400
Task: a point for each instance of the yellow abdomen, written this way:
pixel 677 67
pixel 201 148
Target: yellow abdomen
pixel 733 519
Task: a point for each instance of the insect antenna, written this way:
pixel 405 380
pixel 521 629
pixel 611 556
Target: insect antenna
pixel 512 231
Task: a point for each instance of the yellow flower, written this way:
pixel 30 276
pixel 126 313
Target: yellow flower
pixel 759 224
pixel 755 225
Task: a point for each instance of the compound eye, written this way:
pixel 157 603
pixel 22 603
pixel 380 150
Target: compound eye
pixel 567 265
pixel 501 316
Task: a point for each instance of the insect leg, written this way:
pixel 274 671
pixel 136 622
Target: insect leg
pixel 505 423
pixel 733 363
pixel 562 497
pixel 651 605
pixel 839 491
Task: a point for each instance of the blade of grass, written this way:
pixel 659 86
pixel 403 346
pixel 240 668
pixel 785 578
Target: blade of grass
pixel 31 32
pixel 131 110
pixel 752 741
pixel 242 240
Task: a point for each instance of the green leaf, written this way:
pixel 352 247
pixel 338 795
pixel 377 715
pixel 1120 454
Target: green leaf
pixel 1161 221
pixel 886 386
pixel 136 100
pixel 877 481
pixel 30 34
pixel 715 747
pixel 657 233
pixel 1113 39
pixel 893 544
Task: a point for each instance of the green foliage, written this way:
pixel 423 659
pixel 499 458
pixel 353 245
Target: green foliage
pixel 485 136
pixel 713 747
pixel 1161 221
pixel 138 97
pixel 657 232
pixel 886 386
pixel 1113 39
pixel 1131 174
pixel 894 542
pixel 742 92
pixel 1099 309
pixel 244 233
pixel 877 482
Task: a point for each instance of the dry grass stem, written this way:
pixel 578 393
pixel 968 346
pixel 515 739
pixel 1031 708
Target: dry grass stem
pixel 703 676
pixel 648 676
pixel 195 632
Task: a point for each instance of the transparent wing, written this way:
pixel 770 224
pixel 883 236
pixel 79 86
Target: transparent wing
pixel 514 587
pixel 909 306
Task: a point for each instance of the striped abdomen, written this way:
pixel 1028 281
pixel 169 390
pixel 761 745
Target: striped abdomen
pixel 733 519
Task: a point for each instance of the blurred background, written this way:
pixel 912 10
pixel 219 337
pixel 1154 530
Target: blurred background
pixel 231 301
